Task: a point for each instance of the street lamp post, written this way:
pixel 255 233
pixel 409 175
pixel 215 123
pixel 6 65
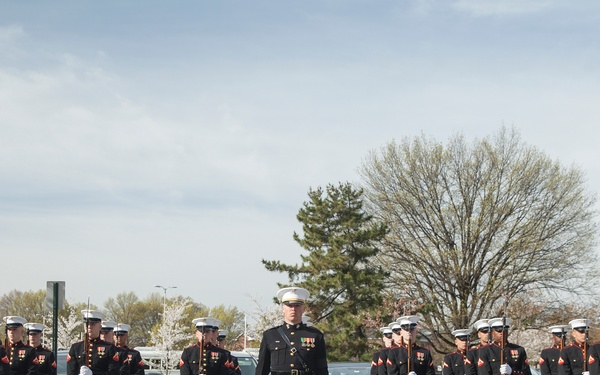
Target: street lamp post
pixel 165 288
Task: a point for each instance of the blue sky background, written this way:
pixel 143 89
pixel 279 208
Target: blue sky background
pixel 151 142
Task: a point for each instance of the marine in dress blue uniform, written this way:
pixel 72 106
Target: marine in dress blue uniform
pixel 456 363
pixel 483 333
pixel 221 341
pixel 204 357
pixel 100 357
pixel 549 357
pixel 46 360
pixel 4 366
pixel 384 354
pixel 133 358
pixel 21 358
pixel 421 360
pixel 107 334
pixel 576 359
pixel 594 359
pixel 292 348
pixel 501 356
pixel 388 341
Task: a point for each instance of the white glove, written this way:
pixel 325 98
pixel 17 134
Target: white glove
pixel 84 370
pixel 505 369
pixel 585 373
pixel 412 373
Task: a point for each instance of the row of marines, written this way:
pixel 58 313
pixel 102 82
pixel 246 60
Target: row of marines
pixel 494 355
pixel 105 350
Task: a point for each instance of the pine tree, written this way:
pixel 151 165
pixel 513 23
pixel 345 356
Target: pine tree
pixel 341 241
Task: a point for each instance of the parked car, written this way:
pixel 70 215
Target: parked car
pixel 61 362
pixel 349 368
pixel 246 361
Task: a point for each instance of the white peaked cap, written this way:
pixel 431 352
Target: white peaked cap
pixel 122 327
pixel 408 319
pixel 394 325
pixel 223 332
pixel 107 324
pixel 293 295
pixel 202 322
pixel 14 321
pixel 385 329
pixel 93 315
pixel 482 323
pixel 578 323
pixel 34 327
pixel 498 322
pixel 461 332
pixel 558 329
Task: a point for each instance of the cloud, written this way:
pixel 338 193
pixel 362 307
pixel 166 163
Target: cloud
pixel 10 33
pixel 481 8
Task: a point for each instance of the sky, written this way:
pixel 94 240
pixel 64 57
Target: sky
pixel 173 143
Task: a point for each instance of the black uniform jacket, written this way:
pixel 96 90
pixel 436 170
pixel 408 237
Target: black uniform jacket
pixel 455 363
pixel 549 360
pixel 381 362
pixel 21 359
pixel 594 359
pixel 472 358
pixel 571 359
pixel 488 362
pixel 104 359
pixel 377 361
pixel 275 355
pixel 133 359
pixel 215 361
pixel 47 363
pixel 421 361
pixel 4 366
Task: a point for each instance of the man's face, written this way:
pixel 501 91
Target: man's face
pixel 122 339
pixel 461 343
pixel 212 336
pixel 387 340
pixel 203 336
pixel 579 334
pixel 221 343
pixel 94 329
pixel 108 336
pixel 35 339
pixel 409 331
pixel 556 339
pixel 292 313
pixel 397 335
pixel 483 335
pixel 15 334
pixel 499 333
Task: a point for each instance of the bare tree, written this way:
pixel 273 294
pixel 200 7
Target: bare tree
pixel 473 226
